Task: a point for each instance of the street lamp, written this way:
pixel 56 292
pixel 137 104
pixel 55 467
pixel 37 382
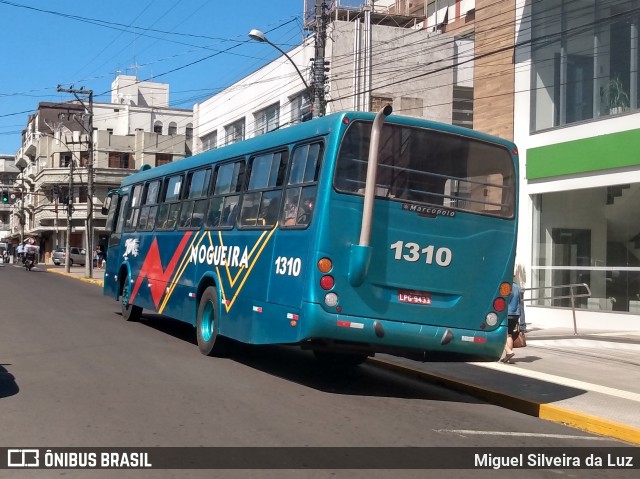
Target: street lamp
pixel 259 36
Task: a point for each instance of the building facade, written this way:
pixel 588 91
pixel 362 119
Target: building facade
pixel 8 175
pixel 577 125
pixel 384 55
pixel 137 128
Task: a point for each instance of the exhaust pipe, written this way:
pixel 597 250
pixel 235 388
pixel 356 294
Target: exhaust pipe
pixel 361 253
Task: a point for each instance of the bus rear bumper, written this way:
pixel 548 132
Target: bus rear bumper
pixel 417 341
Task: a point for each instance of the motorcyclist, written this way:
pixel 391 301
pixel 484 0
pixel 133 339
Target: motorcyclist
pixel 30 254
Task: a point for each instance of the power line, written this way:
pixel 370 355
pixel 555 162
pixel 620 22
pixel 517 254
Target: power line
pixel 392 50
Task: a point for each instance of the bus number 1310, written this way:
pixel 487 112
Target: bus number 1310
pixel 288 266
pixel 412 252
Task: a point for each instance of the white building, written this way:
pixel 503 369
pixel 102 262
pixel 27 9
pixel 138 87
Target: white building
pixel 137 128
pixel 274 96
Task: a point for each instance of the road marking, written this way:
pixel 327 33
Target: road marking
pixel 525 434
pixel 574 383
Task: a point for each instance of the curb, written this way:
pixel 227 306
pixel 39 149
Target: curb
pixel 98 282
pixel 548 412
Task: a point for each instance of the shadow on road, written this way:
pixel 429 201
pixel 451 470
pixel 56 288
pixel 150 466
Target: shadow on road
pixel 293 364
pixel 526 359
pixel 175 328
pixel 8 385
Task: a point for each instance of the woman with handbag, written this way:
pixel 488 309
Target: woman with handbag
pixel 513 315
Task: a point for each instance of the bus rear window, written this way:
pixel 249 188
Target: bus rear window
pixel 421 166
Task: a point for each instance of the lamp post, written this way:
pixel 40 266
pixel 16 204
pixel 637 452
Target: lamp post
pixel 259 36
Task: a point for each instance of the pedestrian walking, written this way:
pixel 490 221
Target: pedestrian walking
pixel 513 317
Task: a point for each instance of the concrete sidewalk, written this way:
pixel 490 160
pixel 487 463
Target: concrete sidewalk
pixel 590 381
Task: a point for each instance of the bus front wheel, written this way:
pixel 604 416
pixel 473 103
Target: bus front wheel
pixel 130 312
pixel 207 325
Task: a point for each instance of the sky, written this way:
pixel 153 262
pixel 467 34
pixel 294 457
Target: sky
pixel 198 47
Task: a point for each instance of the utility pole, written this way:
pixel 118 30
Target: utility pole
pixel 368 55
pixel 90 188
pixel 67 243
pixel 318 60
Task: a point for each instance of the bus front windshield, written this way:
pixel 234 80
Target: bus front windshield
pixel 429 167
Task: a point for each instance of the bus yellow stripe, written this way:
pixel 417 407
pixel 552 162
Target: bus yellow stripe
pixel 233 281
pixel 237 291
pixel 256 250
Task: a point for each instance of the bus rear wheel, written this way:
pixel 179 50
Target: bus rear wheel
pixel 130 312
pixel 210 342
pixel 334 358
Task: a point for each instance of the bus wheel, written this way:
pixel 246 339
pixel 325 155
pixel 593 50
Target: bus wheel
pixel 130 312
pixel 207 325
pixel 333 358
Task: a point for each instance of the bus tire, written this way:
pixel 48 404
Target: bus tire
pixel 210 342
pixel 335 358
pixel 130 312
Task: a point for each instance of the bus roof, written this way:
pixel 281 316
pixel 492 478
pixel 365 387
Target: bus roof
pixel 316 127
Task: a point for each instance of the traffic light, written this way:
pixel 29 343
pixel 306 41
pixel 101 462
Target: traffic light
pixel 5 197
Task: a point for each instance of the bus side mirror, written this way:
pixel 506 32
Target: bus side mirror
pixel 105 205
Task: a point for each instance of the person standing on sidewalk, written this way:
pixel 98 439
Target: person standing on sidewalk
pixel 523 323
pixel 520 277
pixel 513 317
pixel 96 257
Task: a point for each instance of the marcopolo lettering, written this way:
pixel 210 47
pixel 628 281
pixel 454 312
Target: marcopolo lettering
pixel 220 256
pixel 428 211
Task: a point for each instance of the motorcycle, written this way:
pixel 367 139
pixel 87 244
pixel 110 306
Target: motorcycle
pixel 29 261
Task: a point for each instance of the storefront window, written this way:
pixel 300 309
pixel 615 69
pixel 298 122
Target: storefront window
pixel 589 236
pixel 585 60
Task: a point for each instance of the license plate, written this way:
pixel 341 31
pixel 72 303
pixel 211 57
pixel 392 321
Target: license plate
pixel 414 297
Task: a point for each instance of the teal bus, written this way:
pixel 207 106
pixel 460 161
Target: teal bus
pixel 348 235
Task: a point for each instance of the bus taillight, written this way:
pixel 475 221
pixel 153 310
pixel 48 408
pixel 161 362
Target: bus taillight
pixel 499 304
pixel 325 265
pixel 505 289
pixel 327 282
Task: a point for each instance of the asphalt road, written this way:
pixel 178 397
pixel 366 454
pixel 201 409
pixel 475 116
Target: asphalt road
pixel 73 373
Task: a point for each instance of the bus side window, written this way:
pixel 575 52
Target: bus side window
pixel 120 207
pixel 134 209
pixel 150 206
pixel 261 201
pixel 170 207
pixel 195 202
pixel 225 190
pixel 111 214
pixel 302 185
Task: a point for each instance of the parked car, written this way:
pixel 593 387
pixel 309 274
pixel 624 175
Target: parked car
pixel 77 256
